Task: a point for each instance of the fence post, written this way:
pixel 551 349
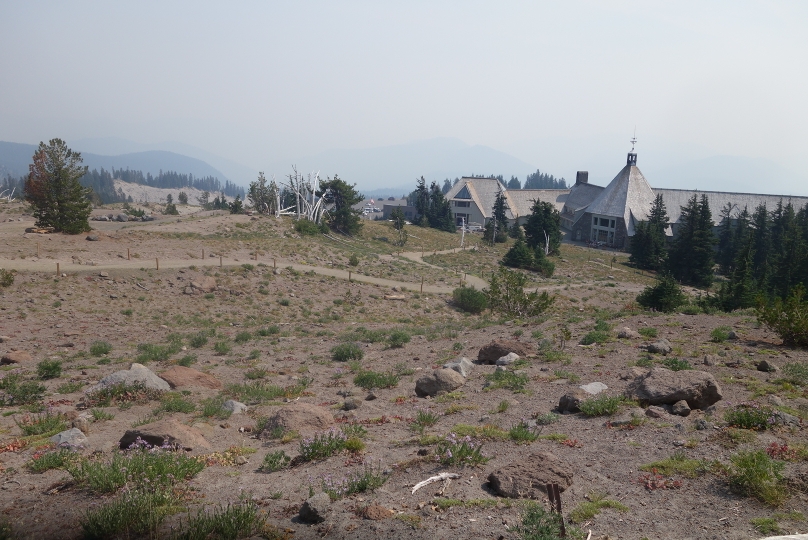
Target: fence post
pixel 203 254
pixel 220 261
pixel 422 284
pixel 157 262
pixel 57 270
pixel 349 276
pixel 37 250
pixel 128 255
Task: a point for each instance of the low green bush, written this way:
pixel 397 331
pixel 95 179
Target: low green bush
pixel 345 352
pixel 750 416
pixel 6 277
pixel 675 364
pixel 100 348
pixel 230 522
pixel 460 451
pixel 595 336
pixel 470 299
pixel 796 373
pixel 665 296
pixel 275 461
pixel 398 338
pixel 322 445
pixel 648 333
pixel 369 478
pixel 40 424
pixel 789 318
pixel 49 369
pixel 372 379
pixel 754 474
pixel 720 334
pixel 601 405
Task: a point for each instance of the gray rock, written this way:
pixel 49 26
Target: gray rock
pixel 681 408
pixel 785 419
pixel 528 477
pixel 660 386
pixel 662 346
pixel 440 380
pixel 462 366
pixel 701 424
pixel 732 335
pixel 168 433
pixel 188 290
pixel 767 367
pixel 777 401
pixel 710 360
pixel 72 437
pixel 92 237
pixel 628 333
pixel 138 373
pixel 569 402
pixel 315 509
pixel 655 412
pixel 594 388
pixel 235 407
pixel 508 359
pixel 351 404
pixel 122 217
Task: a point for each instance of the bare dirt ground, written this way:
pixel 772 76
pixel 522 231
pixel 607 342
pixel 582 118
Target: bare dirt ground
pixel 307 306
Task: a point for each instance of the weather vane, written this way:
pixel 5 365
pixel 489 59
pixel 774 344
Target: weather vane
pixel 633 140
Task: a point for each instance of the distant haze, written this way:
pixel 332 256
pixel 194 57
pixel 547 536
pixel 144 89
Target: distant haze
pixel 384 92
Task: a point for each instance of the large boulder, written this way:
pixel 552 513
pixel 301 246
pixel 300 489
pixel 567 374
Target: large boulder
pixel 662 346
pixel 439 381
pixel 15 357
pixel 205 284
pixel 166 433
pixel 527 477
pixel 662 386
pixel 495 350
pixel 180 376
pixel 305 418
pixel 628 333
pixel 136 374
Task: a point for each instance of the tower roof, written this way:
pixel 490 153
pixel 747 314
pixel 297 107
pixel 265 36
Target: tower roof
pixel 628 196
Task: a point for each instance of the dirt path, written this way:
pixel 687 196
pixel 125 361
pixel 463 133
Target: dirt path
pixel 50 265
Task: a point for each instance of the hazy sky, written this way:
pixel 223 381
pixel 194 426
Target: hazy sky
pixel 557 84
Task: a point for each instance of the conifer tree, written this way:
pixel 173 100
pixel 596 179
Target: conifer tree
pixel 519 256
pixel 648 246
pixel 54 191
pixel 544 223
pixel 691 254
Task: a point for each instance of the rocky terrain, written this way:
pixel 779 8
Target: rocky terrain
pixel 293 385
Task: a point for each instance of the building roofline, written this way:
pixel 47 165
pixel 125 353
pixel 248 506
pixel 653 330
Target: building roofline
pixel 731 193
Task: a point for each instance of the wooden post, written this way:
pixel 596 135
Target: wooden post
pixel 58 273
pixel 157 262
pixel 220 261
pixel 37 250
pixel 203 254
pixel 349 276
pixel 128 255
pixel 422 284
pixel 273 264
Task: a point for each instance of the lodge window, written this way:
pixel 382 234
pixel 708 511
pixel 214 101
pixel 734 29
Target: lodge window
pixel 462 204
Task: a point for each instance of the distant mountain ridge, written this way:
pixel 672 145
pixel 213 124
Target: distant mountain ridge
pixel 15 158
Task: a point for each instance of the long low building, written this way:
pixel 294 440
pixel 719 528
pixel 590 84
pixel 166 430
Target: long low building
pixel 607 214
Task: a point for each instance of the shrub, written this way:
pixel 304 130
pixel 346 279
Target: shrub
pixel 221 348
pixel 242 337
pixel 470 299
pixel 212 407
pixel 789 318
pixel 46 460
pixel 755 474
pixel 506 295
pixel 589 509
pixel 100 348
pixel 353 260
pixel 17 392
pixel 595 336
pixel 230 522
pixel 42 423
pixel 306 227
pixel 522 433
pixel 357 482
pixel 424 419
pixel 49 369
pixel 275 461
pixel 121 393
pixel 134 513
pixel 156 353
pixel 720 334
pixel 648 332
pixel 750 416
pixel 460 451
pixel 372 379
pixel 322 445
pixel 664 296
pixel 796 373
pixel 397 339
pixel 6 277
pixel 674 364
pixel 175 403
pixel 538 523
pixel 256 373
pixel 600 405
pixel 515 382
pixel 259 391
pixel 269 331
pixel 186 360
pixel 69 387
pixel 346 351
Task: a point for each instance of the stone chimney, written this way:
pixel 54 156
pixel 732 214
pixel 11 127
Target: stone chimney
pixel 582 177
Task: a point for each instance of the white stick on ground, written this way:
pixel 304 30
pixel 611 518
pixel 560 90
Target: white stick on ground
pixel 432 480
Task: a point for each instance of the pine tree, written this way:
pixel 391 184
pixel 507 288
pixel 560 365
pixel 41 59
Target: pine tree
pixel 519 256
pixel 543 227
pixel 514 183
pixel 725 255
pixel 691 254
pixel 498 232
pixel 54 191
pixel 648 246
pixel 439 213
pixel 342 196
pixel 761 246
pixel 421 203
pixel 740 291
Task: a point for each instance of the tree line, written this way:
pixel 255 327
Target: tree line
pixel 763 254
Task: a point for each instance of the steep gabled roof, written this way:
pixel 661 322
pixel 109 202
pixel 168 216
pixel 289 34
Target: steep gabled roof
pixel 675 199
pixel 520 201
pixel 483 191
pixel 628 196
